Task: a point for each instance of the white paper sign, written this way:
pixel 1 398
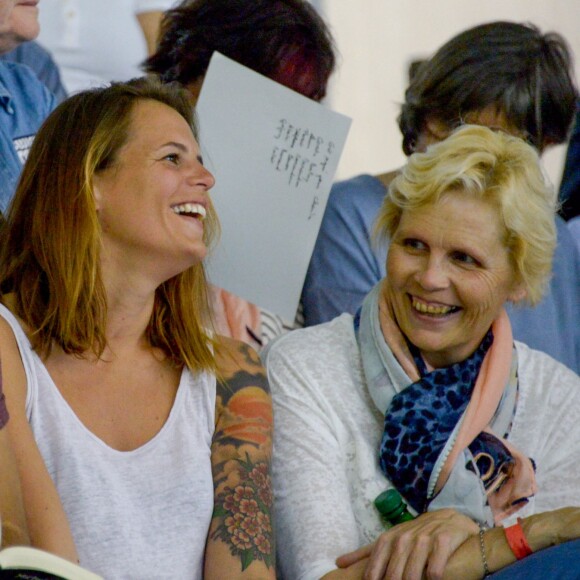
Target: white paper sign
pixel 273 153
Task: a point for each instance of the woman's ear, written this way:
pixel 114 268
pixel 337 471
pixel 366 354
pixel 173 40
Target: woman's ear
pixel 97 192
pixel 433 131
pixel 518 293
pixel 437 128
pixel 194 88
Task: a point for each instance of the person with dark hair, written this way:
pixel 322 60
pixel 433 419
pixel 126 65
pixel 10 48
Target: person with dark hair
pixel 504 69
pixel 143 439
pixel 504 75
pixel 284 40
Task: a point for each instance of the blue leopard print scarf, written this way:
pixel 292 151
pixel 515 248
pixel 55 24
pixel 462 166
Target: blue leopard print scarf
pixel 423 417
pixel 420 420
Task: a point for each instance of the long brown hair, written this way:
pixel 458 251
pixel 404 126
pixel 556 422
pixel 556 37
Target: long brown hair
pixel 50 245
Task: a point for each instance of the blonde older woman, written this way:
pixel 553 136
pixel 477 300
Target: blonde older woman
pixel 424 389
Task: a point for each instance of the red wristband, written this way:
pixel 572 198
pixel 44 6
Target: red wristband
pixel 517 540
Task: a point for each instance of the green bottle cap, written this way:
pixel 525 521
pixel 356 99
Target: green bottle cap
pixel 389 503
pixel 392 508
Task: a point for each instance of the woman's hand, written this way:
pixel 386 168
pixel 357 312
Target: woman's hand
pixel 414 549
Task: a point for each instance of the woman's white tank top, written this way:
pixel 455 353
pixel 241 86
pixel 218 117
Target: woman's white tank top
pixel 141 514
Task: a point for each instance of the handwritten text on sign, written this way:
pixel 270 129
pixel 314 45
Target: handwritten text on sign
pixel 301 154
pixel 273 166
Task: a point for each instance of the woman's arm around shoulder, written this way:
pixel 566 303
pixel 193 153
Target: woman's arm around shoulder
pixel 45 516
pixel 241 541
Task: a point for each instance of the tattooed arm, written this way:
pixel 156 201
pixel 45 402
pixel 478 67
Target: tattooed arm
pixel 241 541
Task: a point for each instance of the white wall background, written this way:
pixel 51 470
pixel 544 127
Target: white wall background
pixel 378 38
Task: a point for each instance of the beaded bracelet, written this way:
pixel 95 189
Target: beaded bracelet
pixel 482 529
pixel 517 540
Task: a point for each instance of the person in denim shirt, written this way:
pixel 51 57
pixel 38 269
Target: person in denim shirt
pixel 24 101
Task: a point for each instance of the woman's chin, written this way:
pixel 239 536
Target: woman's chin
pixel 440 346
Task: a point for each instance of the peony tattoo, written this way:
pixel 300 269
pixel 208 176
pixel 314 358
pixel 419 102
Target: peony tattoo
pixel 245 511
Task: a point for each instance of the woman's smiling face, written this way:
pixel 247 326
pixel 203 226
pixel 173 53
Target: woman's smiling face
pixel 448 276
pixel 152 201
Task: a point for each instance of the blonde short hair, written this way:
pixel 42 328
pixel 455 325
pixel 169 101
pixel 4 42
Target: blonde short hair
pixel 495 167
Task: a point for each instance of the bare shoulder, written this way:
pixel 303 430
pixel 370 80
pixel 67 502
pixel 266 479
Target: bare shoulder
pixel 241 539
pixel 13 375
pixel 7 338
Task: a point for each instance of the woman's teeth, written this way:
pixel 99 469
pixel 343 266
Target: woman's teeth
pixel 430 309
pixel 192 209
